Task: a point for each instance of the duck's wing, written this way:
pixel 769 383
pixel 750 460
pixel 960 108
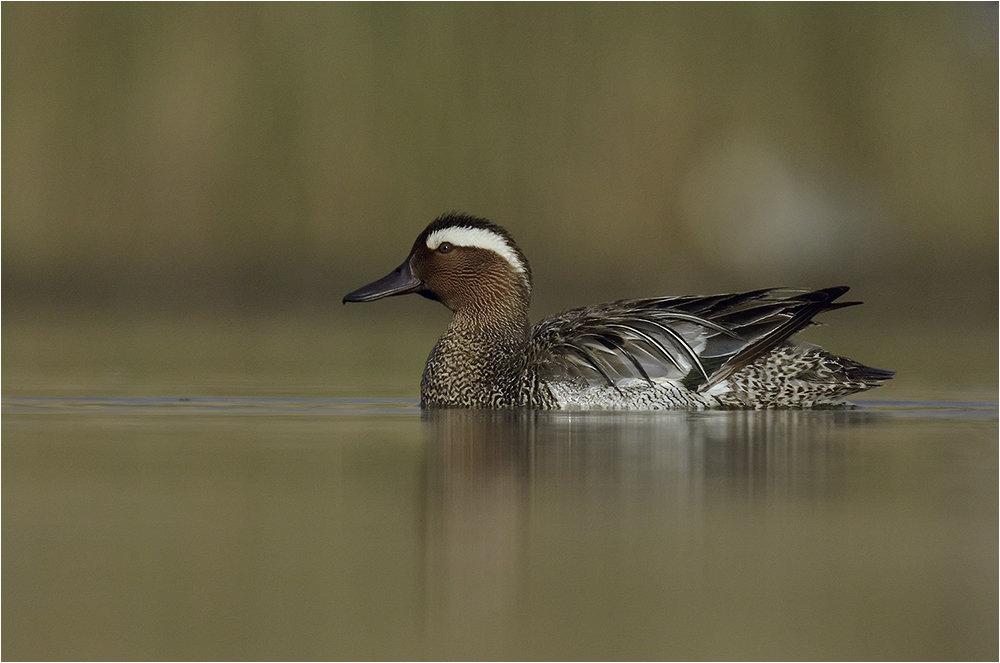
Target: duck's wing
pixel 694 339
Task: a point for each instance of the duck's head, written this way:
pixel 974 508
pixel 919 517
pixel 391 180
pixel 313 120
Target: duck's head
pixel 462 261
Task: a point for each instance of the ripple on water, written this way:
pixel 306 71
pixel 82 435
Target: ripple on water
pixel 390 406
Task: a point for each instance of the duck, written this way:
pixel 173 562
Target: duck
pixel 690 352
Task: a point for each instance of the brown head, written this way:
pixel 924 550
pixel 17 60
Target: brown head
pixel 470 265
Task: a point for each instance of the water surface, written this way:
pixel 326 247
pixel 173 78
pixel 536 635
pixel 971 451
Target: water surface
pixel 264 527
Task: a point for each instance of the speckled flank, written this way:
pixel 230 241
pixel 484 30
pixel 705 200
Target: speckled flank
pixel 791 376
pixel 628 394
pixel 798 376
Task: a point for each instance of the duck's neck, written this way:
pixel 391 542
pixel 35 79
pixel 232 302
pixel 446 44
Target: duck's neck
pixel 481 359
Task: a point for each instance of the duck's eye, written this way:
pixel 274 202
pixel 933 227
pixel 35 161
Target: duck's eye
pixel 445 247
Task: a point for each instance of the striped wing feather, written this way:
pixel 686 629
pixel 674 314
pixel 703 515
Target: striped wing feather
pixel 696 340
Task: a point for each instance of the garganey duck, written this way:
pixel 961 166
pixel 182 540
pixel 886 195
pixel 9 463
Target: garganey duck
pixel 720 351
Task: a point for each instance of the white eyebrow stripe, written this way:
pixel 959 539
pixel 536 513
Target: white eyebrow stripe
pixel 479 238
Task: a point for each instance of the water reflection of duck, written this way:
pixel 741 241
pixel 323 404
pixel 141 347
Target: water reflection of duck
pixel 642 354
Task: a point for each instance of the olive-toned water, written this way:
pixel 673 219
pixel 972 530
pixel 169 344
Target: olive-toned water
pixel 163 498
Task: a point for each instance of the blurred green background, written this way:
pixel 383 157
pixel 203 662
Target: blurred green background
pixel 271 157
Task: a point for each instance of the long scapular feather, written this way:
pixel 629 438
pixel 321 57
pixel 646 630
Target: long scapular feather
pixel 652 342
pixel 674 315
pixel 590 359
pixel 614 344
pixel 681 345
